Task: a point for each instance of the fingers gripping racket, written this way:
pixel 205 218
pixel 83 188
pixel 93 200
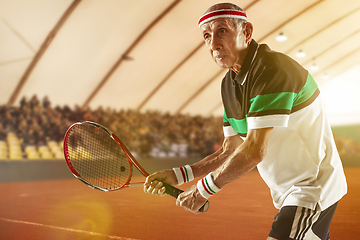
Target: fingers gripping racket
pixel 98 158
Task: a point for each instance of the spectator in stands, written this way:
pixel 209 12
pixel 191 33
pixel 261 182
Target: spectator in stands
pixel 22 127
pixel 29 138
pixel 34 101
pixel 46 102
pixel 41 139
pixel 23 102
pixel 2 132
pixel 8 122
pixel 34 125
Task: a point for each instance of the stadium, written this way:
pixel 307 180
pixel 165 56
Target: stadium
pixel 142 69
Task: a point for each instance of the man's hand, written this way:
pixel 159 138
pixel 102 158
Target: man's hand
pixel 154 185
pixel 191 200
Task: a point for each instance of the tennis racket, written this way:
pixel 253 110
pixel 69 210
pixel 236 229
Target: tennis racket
pixel 98 158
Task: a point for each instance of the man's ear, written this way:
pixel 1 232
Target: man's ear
pixel 248 31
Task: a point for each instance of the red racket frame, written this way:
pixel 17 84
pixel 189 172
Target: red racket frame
pixel 130 157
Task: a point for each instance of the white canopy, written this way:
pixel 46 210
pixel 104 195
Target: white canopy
pixel 150 54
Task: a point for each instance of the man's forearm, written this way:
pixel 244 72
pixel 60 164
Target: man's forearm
pixel 245 157
pixel 215 160
pixel 209 163
pixel 237 165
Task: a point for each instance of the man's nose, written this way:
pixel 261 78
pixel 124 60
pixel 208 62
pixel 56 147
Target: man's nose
pixel 215 43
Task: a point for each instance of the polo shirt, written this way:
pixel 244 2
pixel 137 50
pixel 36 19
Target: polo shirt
pixel 302 166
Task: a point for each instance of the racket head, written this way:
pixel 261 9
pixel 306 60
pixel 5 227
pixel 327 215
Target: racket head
pixel 95 158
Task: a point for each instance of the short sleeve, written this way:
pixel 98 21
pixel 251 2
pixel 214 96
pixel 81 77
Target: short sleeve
pixel 227 128
pixel 272 98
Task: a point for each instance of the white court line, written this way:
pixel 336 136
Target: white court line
pixel 68 229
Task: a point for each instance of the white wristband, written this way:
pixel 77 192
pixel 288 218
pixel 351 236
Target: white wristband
pixel 207 187
pixel 184 174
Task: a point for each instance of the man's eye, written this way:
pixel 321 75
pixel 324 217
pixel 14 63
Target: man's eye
pixel 206 36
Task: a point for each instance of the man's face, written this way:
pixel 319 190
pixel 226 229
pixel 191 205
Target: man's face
pixel 226 42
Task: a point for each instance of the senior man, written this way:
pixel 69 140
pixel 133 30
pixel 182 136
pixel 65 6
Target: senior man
pixel 273 119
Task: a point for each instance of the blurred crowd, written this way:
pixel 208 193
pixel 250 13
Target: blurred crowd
pixel 33 121
pixel 147 134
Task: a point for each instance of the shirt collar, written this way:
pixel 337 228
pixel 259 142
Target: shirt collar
pixel 241 76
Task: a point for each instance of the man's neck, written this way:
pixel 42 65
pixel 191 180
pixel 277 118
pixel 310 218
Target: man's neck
pixel 236 67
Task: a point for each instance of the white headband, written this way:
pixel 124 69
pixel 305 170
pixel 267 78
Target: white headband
pixel 224 13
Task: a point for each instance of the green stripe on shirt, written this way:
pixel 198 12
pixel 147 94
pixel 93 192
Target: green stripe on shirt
pixel 307 91
pixel 283 100
pixel 239 125
pixel 272 101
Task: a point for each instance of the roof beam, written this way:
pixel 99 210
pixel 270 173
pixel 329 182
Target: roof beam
pixel 289 20
pixel 19 35
pixel 168 76
pixel 321 30
pixel 331 47
pixel 355 51
pixel 125 56
pixel 45 45
pixel 203 87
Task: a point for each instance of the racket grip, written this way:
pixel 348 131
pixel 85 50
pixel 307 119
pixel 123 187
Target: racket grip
pixel 175 192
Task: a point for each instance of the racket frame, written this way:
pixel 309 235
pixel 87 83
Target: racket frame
pixel 118 141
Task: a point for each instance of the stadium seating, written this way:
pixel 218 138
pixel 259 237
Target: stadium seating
pixel 11 149
pixel 56 150
pixel 32 153
pixel 14 144
pixel 45 153
pixel 3 150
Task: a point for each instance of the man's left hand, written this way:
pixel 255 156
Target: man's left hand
pixel 191 200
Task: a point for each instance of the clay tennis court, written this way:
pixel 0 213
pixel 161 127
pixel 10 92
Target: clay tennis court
pixel 68 209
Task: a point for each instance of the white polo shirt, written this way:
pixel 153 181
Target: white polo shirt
pixel 302 166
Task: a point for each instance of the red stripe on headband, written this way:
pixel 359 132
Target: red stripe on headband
pixel 226 13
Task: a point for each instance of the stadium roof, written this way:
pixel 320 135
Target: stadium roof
pixel 150 54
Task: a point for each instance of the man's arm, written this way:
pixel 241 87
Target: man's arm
pixel 200 169
pixel 243 159
pixel 215 160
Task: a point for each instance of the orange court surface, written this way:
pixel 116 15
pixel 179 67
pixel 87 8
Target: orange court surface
pixel 69 210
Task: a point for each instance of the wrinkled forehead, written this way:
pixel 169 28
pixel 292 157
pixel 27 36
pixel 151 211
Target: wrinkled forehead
pixel 223 13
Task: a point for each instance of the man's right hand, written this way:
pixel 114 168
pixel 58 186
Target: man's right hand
pixel 154 182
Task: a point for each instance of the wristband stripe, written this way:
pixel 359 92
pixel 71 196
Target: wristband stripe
pixel 206 189
pixel 183 173
pixel 208 186
pixel 186 173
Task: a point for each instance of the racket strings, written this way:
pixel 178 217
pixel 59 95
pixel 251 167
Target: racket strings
pixel 97 157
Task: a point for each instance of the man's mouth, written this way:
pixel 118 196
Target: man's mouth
pixel 217 54
pixel 219 57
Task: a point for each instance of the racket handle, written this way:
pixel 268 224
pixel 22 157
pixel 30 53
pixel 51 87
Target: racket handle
pixel 175 192
pixel 171 190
